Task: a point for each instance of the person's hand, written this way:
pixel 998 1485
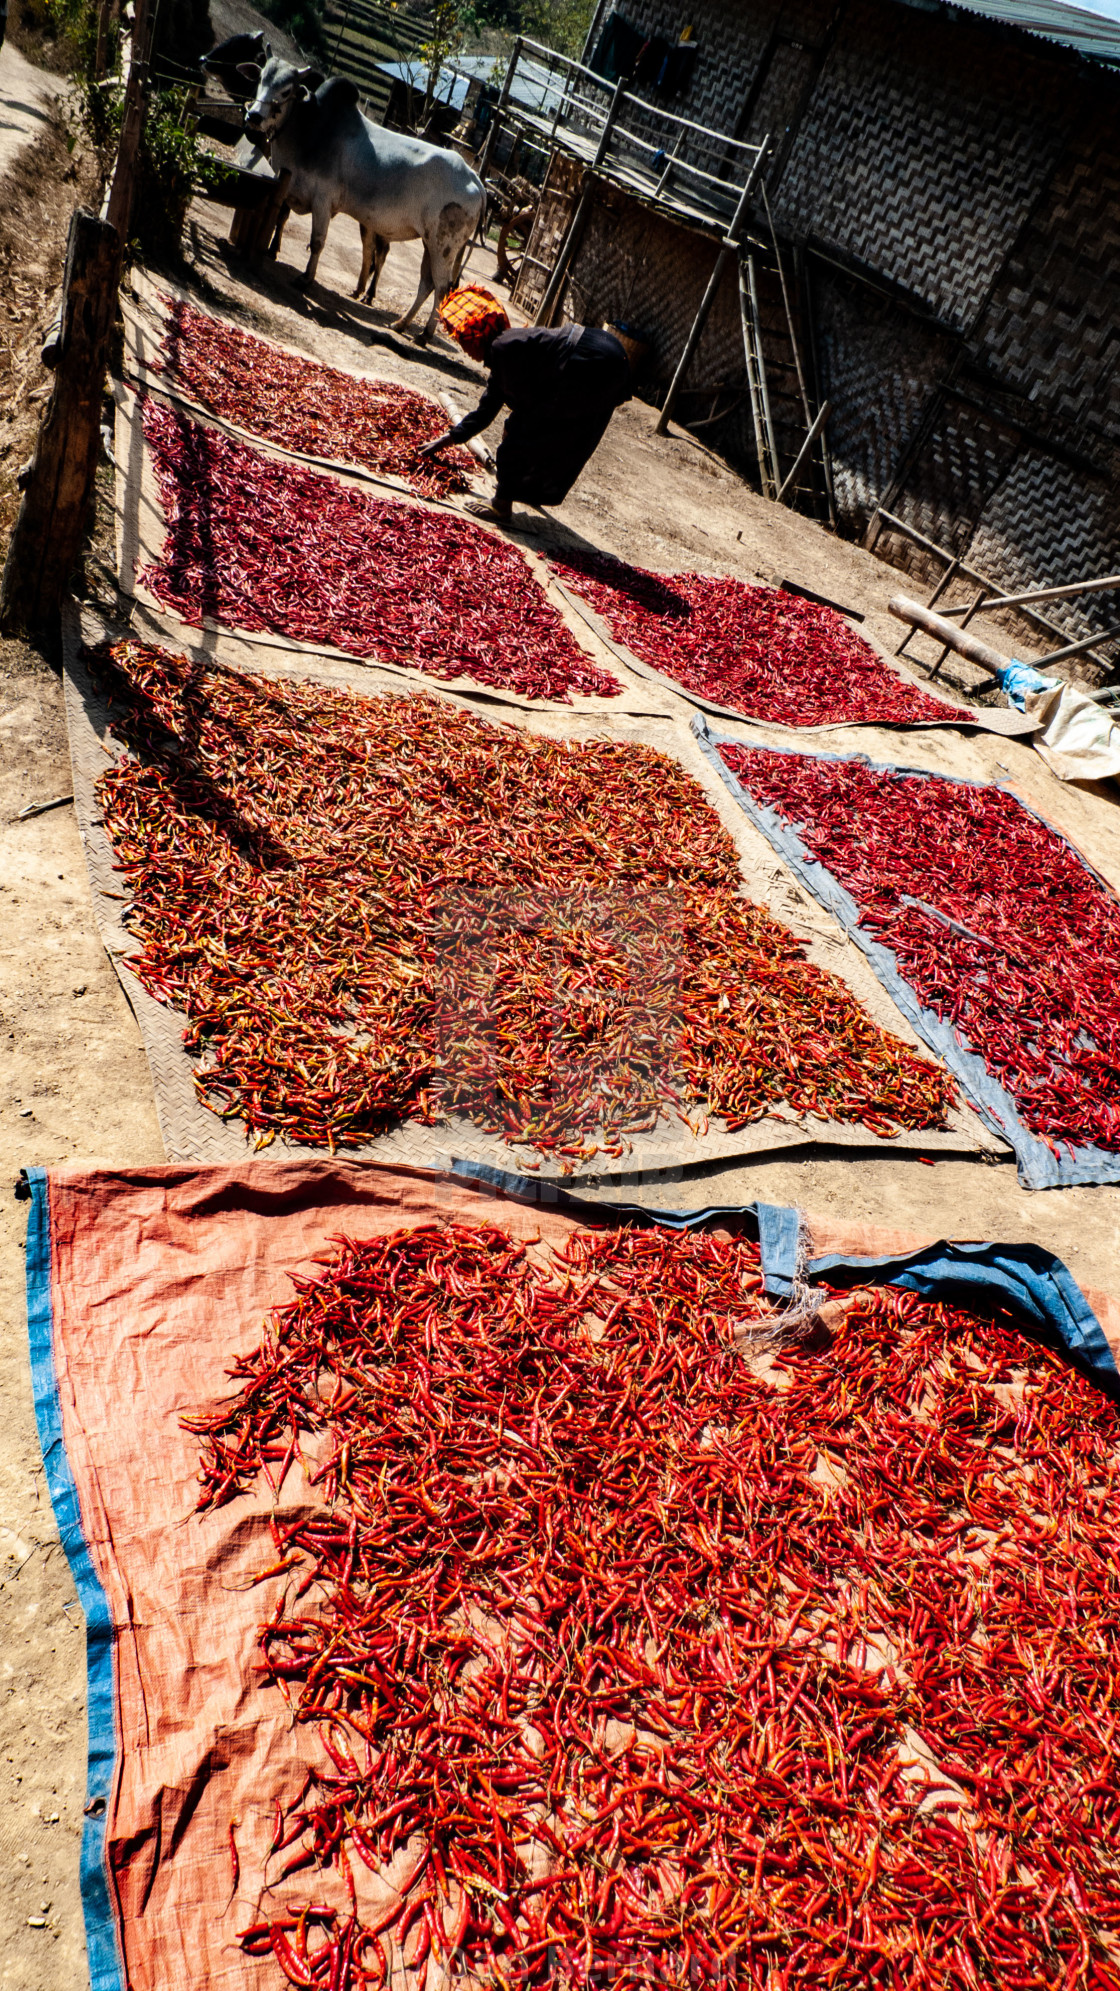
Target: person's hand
pixel 433 448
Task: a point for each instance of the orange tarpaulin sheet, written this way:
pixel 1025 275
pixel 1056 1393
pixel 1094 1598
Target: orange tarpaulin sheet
pixel 160 1277
pixel 157 1280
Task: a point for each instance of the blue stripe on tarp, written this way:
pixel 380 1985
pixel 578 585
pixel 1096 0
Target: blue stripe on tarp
pixel 1039 1167
pixel 779 1237
pixel 1035 1285
pixel 105 1970
pixel 1037 1288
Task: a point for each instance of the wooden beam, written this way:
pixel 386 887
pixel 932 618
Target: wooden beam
pixel 122 187
pixel 920 617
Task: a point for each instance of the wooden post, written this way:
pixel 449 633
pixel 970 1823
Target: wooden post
pixel 496 115
pixel 52 517
pixel 578 221
pixel 118 207
pixel 729 247
pixel 102 41
pixel 241 222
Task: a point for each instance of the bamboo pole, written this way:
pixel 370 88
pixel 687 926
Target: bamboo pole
pixel 578 221
pixel 920 617
pixel 818 424
pixel 1070 588
pixel 756 381
pixel 729 247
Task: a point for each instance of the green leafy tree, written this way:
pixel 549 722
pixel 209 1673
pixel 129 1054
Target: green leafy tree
pixel 303 20
pixel 445 39
pixel 560 24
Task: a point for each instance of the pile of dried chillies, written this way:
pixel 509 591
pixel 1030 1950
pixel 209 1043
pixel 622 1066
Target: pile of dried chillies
pixel 995 921
pixel 256 543
pixel 637 1662
pixel 755 650
pixel 308 406
pixel 371 908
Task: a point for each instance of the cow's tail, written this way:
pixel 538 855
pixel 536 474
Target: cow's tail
pixel 480 225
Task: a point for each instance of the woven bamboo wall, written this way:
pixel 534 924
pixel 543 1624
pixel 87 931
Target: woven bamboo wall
pixel 643 271
pixel 731 38
pixel 911 164
pixel 954 186
pixel 555 209
pixel 1052 324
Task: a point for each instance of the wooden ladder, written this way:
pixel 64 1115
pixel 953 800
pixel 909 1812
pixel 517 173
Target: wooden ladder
pixel 764 440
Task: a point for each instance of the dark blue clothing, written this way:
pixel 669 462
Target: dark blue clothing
pixel 561 388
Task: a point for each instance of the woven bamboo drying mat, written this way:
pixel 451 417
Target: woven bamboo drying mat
pixel 191 1133
pixel 140 531
pixel 145 317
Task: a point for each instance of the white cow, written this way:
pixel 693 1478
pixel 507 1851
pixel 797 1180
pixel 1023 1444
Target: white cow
pixel 397 188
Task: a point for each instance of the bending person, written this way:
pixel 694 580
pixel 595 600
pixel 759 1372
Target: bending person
pixel 561 389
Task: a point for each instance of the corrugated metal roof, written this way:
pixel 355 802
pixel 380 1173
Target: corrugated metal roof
pixel 1092 31
pixel 533 86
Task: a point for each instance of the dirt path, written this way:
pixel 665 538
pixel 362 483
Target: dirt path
pixel 27 96
pixel 75 1081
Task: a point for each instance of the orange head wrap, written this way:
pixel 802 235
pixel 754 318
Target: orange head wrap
pixel 473 316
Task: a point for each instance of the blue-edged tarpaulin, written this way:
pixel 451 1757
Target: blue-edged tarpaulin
pixel 1039 1167
pixel 100 1925
pixel 1032 1284
pixel 140 1297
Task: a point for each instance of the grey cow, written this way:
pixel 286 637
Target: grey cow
pixel 397 188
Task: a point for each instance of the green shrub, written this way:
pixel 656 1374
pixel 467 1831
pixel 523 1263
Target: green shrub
pixel 171 168
pixel 303 20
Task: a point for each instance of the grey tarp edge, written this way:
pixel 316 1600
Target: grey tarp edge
pixel 1037 1287
pixel 1039 1168
pixel 1032 1282
pixel 778 1227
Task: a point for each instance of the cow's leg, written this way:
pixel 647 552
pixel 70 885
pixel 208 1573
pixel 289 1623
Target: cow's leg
pixel 278 232
pixel 380 251
pixel 424 289
pixel 320 222
pixel 369 250
pixel 448 247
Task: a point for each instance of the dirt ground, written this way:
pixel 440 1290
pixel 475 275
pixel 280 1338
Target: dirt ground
pixel 75 1080
pixel 27 99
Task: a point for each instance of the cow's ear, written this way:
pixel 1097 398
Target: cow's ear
pixel 309 79
pixel 250 70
